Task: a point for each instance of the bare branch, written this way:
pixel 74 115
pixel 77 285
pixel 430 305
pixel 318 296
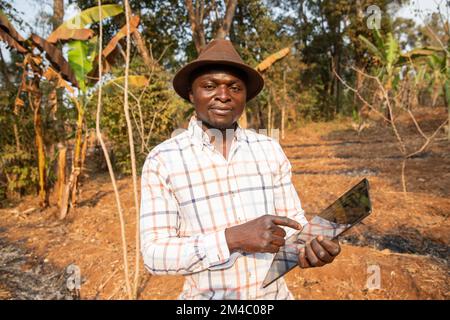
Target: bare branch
pixel 108 162
pixel 131 145
pixel 388 103
pixel 429 140
pixel 359 96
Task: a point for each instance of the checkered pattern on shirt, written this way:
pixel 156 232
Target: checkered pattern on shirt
pixel 191 194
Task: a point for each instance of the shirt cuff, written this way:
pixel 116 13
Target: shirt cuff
pixel 216 248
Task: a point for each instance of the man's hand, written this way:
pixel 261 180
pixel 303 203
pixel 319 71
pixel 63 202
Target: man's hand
pixel 318 253
pixel 260 235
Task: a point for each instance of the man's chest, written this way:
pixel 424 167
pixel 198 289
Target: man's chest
pixel 213 192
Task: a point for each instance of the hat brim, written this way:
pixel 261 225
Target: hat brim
pixel 254 84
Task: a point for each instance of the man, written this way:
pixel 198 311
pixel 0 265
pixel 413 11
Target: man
pixel 217 200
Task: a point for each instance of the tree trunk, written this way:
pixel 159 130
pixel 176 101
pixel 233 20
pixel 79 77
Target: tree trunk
pixel 76 168
pixel 35 102
pixel 224 29
pixel 86 141
pixel 447 104
pixel 140 45
pixel 358 58
pixel 283 107
pixel 143 51
pixel 196 22
pixel 337 63
pixel 69 196
pixel 358 84
pixel 58 13
pixel 259 117
pixel 387 89
pixel 16 136
pixel 269 117
pixel 61 180
pixel 196 16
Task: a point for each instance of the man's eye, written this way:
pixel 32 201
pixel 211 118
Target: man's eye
pixel 209 86
pixel 234 88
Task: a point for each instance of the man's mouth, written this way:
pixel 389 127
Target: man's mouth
pixel 221 111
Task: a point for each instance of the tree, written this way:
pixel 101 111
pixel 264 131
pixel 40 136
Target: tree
pixel 200 14
pixel 32 71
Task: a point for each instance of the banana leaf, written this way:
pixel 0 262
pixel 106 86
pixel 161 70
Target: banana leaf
pixel 110 52
pixel 83 19
pixel 11 42
pixel 392 52
pixel 81 55
pixel 8 28
pixel 134 22
pixel 56 58
pixel 372 48
pixel 10 36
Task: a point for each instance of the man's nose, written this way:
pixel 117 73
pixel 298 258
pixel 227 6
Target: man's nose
pixel 222 94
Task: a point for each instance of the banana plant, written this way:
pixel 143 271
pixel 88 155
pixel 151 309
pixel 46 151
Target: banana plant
pixel 71 74
pixel 33 69
pixel 440 64
pixel 436 65
pixel 386 51
pixel 83 59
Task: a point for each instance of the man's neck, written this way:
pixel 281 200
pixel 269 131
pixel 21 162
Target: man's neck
pixel 227 133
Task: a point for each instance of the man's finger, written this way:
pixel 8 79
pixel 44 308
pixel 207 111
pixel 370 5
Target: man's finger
pixel 279 231
pixel 332 247
pixel 272 249
pixel 321 252
pixel 278 241
pixel 312 258
pixel 302 262
pixel 287 222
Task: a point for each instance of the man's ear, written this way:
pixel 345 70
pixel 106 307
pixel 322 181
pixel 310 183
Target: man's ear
pixel 191 96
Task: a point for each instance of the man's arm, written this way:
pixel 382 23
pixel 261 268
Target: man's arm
pixel 164 252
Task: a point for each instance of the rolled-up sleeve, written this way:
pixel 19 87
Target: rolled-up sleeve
pixel 163 250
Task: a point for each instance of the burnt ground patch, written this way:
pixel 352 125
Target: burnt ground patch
pixel 25 276
pixel 405 240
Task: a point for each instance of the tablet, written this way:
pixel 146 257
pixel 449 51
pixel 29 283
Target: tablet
pixel 344 213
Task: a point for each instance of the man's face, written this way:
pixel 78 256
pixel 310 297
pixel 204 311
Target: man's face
pixel 219 96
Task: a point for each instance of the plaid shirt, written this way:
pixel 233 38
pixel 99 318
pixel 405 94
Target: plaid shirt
pixel 191 194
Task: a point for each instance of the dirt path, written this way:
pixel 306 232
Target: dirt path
pixel 406 238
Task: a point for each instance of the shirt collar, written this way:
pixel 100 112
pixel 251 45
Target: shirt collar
pixel 197 133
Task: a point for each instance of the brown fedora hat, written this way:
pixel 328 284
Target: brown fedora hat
pixel 218 52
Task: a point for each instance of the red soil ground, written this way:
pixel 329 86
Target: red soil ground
pixel 407 235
